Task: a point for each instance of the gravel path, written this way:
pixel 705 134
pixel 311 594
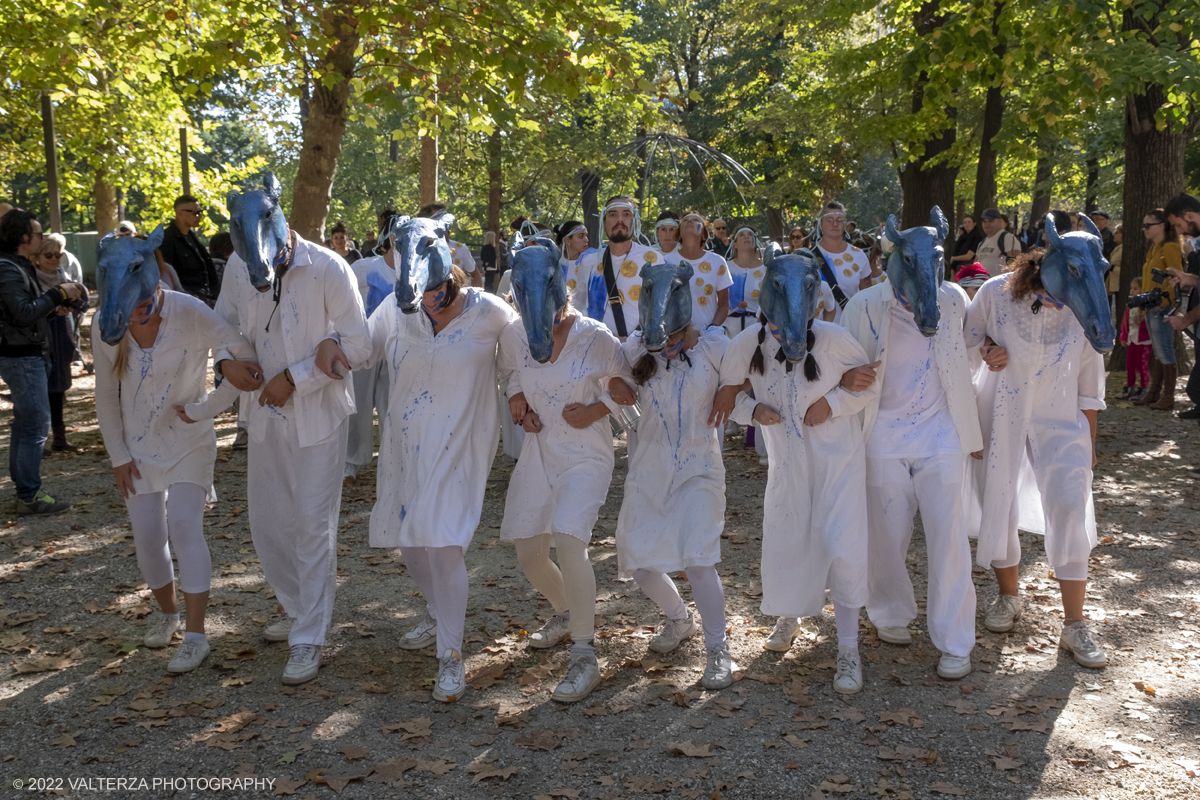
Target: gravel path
pixel 1027 723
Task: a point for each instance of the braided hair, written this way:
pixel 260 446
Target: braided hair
pixel 812 370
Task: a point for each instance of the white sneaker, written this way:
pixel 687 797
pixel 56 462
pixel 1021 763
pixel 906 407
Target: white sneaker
pixel 763 461
pixel 1003 614
pixel 420 637
pixel 848 679
pixel 303 665
pixel 451 679
pixel 1079 641
pixel 718 673
pixel 279 631
pixel 556 629
pixel 954 667
pixel 583 675
pixel 188 656
pixel 893 634
pixel 160 629
pixel 672 633
pixel 784 633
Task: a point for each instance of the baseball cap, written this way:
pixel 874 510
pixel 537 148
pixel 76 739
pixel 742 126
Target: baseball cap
pixel 990 213
pixel 1099 214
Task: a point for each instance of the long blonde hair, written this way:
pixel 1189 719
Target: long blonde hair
pixel 122 359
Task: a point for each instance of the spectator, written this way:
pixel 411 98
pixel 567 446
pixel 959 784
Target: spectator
pixel 379 244
pixel 489 257
pixel 847 265
pixel 1136 336
pixel 719 243
pixel 220 248
pixel 797 239
pixel 967 242
pixel 126 228
pixel 666 231
pixel 1112 281
pixel 24 345
pixel 50 273
pixel 1183 212
pixel 1106 235
pixel 341 243
pixel 970 278
pixel 998 247
pixel 181 250
pixel 1164 253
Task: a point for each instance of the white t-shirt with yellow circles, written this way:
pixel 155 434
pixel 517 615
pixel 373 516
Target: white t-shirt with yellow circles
pixel 849 267
pixel 590 293
pixel 462 257
pixel 711 276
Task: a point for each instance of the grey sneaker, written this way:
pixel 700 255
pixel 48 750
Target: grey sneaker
pixel 848 679
pixel 420 637
pixel 583 675
pixel 42 503
pixel 556 629
pixel 303 664
pixel 241 440
pixel 718 673
pixel 160 630
pixel 188 656
pixel 279 631
pixel 1077 639
pixel 1003 614
pixel 451 679
pixel 672 633
pixel 783 634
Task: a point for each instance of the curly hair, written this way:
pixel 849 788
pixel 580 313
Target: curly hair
pixel 1026 275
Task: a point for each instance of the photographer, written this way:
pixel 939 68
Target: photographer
pixel 1164 254
pixel 24 346
pixel 1183 214
pixel 51 272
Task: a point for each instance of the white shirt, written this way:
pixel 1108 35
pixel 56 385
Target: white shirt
pixel 990 255
pixel 849 267
pixel 914 413
pixel 462 256
pixel 711 276
pixel 591 292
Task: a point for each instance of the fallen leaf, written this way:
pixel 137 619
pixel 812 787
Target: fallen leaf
pixel 795 741
pixel 487 675
pixel 899 717
pixel 64 741
pixel 285 785
pixel 942 787
pixel 503 773
pixel 540 740
pixel 690 750
pixel 353 752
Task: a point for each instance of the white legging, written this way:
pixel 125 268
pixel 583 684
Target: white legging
pixel 441 575
pixel 706 591
pixel 568 585
pixel 179 511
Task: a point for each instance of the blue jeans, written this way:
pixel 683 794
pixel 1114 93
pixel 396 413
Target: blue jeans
pixel 26 379
pixel 1162 336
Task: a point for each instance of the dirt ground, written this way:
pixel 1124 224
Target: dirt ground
pixel 83 700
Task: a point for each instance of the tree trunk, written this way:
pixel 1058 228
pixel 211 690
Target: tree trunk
pixel 775 225
pixel 495 180
pixel 1043 183
pixel 926 184
pixel 106 204
pixel 993 120
pixel 428 180
pixel 1093 184
pixel 590 188
pixel 322 142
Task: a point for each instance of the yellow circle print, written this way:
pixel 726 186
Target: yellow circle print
pixel 571 284
pixel 708 288
pixel 705 266
pixel 651 257
pixel 702 300
pixel 635 292
pixel 629 269
pixel 754 295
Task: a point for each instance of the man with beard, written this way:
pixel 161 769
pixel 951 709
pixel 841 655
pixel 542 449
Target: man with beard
pixel 607 283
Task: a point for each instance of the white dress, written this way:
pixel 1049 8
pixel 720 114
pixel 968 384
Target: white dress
pixel 439 435
pixel 562 477
pixel 814 510
pixel 136 412
pixel 1037 441
pixel 674 507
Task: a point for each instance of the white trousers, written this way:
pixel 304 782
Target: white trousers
pixel 370 391
pixel 896 489
pixel 178 512
pixel 441 575
pixel 294 497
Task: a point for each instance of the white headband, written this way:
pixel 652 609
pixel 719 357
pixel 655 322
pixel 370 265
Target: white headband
pixel 575 230
pixel 667 221
pixel 615 204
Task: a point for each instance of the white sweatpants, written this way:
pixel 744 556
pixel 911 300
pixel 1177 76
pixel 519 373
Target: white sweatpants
pixel 294 496
pixel 370 391
pixel 896 489
pixel 441 575
pixel 569 585
pixel 706 591
pixel 179 512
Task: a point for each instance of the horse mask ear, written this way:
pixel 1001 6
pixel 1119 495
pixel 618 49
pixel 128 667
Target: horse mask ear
pixel 230 200
pixel 769 252
pixel 549 244
pixel 938 220
pixel 516 242
pixel 1090 226
pixel 443 224
pixel 105 239
pixel 155 239
pixel 1052 231
pixel 892 231
pixel 272 185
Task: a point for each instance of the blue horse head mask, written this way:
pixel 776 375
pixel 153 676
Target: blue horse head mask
pixel 421 257
pixel 916 267
pixel 130 278
pixel 539 290
pixel 788 298
pixel 665 302
pixel 1072 273
pixel 259 231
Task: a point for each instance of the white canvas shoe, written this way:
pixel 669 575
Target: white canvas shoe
pixel 160 629
pixel 1003 614
pixel 1078 640
pixel 718 673
pixel 420 637
pixel 783 634
pixel 954 667
pixel 672 633
pixel 188 656
pixel 583 675
pixel 848 679
pixel 451 679
pixel 279 631
pixel 554 632
pixel 303 665
pixel 893 634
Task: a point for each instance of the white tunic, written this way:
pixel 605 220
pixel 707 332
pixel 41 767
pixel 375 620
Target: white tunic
pixel 814 514
pixel 439 436
pixel 562 476
pixel 674 507
pixel 590 292
pixel 711 275
pixel 849 267
pixel 743 297
pixel 136 409
pixel 1033 408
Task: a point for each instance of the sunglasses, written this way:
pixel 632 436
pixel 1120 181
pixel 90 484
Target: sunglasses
pixel 54 256
pixel 1148 225
pixel 795 236
pixel 195 212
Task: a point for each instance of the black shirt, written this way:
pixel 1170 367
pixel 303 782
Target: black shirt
pixel 196 271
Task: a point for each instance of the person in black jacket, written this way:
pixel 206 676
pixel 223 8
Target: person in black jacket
pixel 24 347
pixel 181 248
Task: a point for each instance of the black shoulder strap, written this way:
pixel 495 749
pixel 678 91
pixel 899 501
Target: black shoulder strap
pixel 831 279
pixel 614 295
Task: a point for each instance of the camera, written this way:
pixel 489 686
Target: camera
pixel 78 306
pixel 1150 299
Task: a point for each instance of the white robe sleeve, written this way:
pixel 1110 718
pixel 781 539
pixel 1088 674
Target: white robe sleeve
pixel 613 365
pixel 1091 381
pixel 220 336
pixel 108 403
pixel 735 363
pixel 227 306
pixel 849 354
pixel 743 409
pixel 507 359
pixel 344 309
pixel 979 314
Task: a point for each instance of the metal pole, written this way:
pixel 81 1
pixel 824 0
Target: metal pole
pixel 51 164
pixel 183 155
